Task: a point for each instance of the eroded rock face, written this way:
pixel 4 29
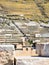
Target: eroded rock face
pixel 6 54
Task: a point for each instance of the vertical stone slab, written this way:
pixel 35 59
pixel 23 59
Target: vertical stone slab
pixel 42 49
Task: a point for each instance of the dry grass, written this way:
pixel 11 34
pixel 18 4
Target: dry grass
pixel 46 7
pixel 28 9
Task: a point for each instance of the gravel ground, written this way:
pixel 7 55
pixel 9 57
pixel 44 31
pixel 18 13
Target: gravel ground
pixel 32 60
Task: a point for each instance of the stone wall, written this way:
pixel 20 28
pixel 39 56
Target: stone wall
pixel 25 52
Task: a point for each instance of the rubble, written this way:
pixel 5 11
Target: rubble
pixel 6 54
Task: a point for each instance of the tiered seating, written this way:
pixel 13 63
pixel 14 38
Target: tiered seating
pixel 10 34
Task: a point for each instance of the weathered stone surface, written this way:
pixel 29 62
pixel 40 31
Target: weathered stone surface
pixel 6 54
pixel 43 49
pixel 32 61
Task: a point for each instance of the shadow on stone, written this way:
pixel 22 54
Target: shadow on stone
pixel 10 62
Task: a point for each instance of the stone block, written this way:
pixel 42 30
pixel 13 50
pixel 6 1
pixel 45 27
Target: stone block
pixel 42 49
